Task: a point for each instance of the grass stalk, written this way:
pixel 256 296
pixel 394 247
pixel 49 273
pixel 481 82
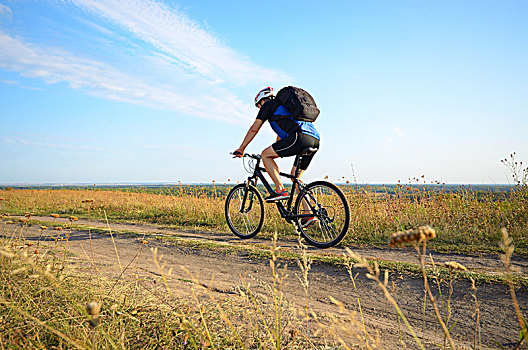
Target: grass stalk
pixel 349 265
pixel 305 265
pixel 113 240
pixel 507 247
pixel 402 344
pixel 477 337
pixel 277 297
pixel 373 274
pixel 423 317
pixel 25 314
pixel 421 258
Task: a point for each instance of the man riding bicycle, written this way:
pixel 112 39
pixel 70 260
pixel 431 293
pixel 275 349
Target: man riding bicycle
pixel 293 136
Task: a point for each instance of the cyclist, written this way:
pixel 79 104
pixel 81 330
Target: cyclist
pixel 293 136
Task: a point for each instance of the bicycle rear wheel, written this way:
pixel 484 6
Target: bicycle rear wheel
pixel 328 205
pixel 244 211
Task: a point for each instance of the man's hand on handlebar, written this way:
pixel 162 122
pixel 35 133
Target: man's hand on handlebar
pixel 238 153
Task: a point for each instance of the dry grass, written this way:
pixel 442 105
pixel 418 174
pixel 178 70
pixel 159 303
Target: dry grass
pixel 51 301
pixel 45 304
pixel 45 307
pixel 465 219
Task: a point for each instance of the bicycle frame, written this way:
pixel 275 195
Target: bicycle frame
pixel 285 211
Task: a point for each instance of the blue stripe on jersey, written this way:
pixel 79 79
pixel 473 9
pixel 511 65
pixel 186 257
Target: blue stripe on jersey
pixel 308 128
pixel 281 133
pixel 281 110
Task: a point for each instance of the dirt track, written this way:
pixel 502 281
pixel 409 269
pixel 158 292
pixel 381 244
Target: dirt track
pixel 224 272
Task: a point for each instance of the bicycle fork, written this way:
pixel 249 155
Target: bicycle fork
pixel 245 198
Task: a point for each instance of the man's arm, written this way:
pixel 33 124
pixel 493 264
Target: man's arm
pixel 253 130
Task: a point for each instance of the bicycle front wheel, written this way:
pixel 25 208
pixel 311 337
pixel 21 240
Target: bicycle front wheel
pixel 326 209
pixel 244 211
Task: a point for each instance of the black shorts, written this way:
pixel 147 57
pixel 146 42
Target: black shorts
pixel 294 145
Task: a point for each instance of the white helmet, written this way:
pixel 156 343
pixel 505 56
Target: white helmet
pixel 264 93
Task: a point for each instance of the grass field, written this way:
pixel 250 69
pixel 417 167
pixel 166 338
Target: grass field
pixel 467 220
pixel 50 302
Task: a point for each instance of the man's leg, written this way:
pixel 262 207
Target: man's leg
pixel 305 222
pixel 301 172
pixel 268 156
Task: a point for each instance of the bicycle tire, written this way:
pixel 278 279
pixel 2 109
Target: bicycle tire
pixel 331 210
pixel 248 222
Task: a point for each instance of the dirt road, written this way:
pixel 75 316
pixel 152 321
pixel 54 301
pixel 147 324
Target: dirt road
pixel 224 272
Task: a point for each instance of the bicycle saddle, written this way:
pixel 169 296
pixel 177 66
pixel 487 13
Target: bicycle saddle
pixel 308 151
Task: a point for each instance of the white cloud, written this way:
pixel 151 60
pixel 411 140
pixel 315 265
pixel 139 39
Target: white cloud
pixel 178 66
pixel 10 82
pixel 21 141
pixel 96 78
pixel 5 10
pixel 17 83
pixel 399 134
pixel 171 32
pixel 399 131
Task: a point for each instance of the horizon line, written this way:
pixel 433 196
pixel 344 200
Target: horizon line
pixel 138 183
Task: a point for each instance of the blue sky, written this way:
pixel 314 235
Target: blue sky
pixel 101 91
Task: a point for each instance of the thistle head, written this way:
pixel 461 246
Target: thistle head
pixel 417 235
pixel 93 309
pixel 453 265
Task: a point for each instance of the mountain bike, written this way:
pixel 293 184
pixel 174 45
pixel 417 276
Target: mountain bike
pixel 322 200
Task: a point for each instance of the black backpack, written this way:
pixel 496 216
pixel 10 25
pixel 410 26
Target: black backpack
pixel 299 103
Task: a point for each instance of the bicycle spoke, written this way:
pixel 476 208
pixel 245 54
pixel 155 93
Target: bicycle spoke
pixel 328 205
pixel 244 217
pixel 324 229
pixel 240 201
pixel 245 220
pixel 331 228
pixel 249 223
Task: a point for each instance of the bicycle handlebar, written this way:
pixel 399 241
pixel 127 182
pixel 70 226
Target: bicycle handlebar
pixel 254 156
